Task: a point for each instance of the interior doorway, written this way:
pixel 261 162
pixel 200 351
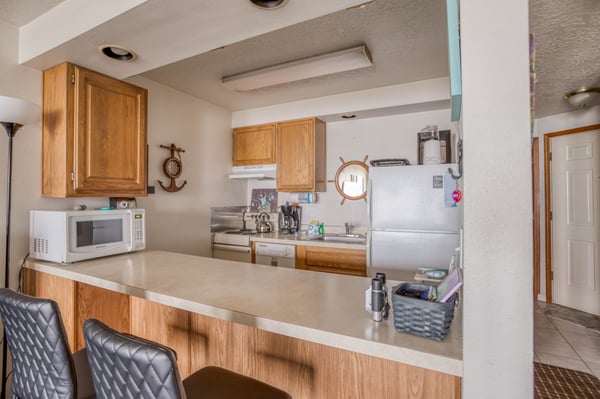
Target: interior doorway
pixel 572 221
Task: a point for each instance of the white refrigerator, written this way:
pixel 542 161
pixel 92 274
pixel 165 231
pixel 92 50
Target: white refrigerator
pixel 413 218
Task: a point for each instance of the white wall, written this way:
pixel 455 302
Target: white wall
pixel 23 82
pixel 176 221
pixel 498 305
pixel 568 120
pixel 550 124
pixel 424 93
pixel 377 138
pixel 180 221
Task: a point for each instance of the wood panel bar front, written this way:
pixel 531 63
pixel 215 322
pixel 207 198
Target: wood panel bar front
pixel 164 324
pixel 61 290
pixel 307 370
pixel 110 307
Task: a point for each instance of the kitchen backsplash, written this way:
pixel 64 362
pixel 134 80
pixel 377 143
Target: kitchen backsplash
pixel 327 210
pixel 273 219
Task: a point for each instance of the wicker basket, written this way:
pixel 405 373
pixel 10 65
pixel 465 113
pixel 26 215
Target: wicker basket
pixel 420 317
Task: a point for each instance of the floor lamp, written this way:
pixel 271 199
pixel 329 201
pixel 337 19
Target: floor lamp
pixel 14 113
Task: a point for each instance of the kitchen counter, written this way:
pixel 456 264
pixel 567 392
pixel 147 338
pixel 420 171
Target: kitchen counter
pixel 303 239
pixel 322 308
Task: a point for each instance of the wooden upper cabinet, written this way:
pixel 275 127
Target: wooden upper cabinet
pixel 93 135
pixel 254 145
pixel 300 154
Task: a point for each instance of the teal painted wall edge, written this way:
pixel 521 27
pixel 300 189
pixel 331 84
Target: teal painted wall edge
pixel 454 59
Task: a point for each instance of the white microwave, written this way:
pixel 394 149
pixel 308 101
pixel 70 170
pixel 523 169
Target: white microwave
pixel 72 236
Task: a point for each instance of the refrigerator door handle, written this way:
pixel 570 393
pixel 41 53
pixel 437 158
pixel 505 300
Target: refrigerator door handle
pixel 370 203
pixel 369 237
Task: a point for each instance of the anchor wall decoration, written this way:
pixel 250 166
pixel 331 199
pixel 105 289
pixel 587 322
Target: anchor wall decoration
pixel 173 168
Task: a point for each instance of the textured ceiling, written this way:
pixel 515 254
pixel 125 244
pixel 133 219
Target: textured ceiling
pixel 567 46
pixel 407 39
pixel 20 12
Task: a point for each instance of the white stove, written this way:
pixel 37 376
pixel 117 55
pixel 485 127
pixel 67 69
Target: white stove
pixel 232 245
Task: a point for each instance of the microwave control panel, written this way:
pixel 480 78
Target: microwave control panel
pixel 139 229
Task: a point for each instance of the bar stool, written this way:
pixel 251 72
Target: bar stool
pixel 126 366
pixel 42 364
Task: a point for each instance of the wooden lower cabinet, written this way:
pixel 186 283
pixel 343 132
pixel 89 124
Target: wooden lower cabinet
pixel 332 260
pixel 306 370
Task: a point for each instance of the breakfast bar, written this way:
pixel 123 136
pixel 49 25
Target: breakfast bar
pixel 302 331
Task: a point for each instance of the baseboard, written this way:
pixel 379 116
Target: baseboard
pixel 541 297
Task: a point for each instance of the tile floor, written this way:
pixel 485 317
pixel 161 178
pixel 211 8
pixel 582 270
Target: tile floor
pixel 561 343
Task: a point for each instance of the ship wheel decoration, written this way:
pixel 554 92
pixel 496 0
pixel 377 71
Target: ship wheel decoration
pixel 173 168
pixel 351 180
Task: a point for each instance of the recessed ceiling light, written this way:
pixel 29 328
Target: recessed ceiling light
pixel 268 4
pixel 117 52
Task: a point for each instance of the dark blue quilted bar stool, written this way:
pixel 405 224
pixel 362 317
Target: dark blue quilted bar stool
pixel 42 364
pixel 125 366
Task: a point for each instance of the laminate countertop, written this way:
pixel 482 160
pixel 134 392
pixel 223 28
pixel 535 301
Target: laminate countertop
pixel 303 239
pixel 317 307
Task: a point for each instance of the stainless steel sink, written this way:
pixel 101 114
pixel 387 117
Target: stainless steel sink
pixel 348 238
pixel 353 238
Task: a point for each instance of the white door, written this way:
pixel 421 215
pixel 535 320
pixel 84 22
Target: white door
pixel 575 220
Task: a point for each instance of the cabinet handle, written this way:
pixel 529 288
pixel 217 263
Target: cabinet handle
pixel 73 78
pixel 72 176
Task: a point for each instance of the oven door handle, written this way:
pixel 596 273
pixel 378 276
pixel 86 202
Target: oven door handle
pixel 233 248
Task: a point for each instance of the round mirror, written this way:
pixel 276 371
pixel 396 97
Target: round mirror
pixel 351 180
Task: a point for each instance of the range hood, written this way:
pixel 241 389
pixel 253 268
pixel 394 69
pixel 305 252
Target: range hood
pixel 253 172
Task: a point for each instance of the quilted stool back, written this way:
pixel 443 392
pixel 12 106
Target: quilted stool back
pixel 35 334
pixel 125 366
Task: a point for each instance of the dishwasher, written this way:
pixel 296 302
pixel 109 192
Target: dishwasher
pixel 280 255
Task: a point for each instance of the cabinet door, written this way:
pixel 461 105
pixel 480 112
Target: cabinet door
pixel 110 136
pixel 332 260
pixel 57 131
pixel 301 155
pixel 254 145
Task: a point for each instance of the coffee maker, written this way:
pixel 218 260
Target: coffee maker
pixel 289 219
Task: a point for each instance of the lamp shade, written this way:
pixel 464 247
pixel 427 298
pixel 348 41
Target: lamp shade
pixel 17 110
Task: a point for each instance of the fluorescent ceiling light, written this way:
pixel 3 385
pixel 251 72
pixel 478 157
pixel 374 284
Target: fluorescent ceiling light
pixel 326 64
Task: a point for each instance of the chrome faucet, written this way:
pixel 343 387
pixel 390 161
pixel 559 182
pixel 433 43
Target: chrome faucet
pixel 348 226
